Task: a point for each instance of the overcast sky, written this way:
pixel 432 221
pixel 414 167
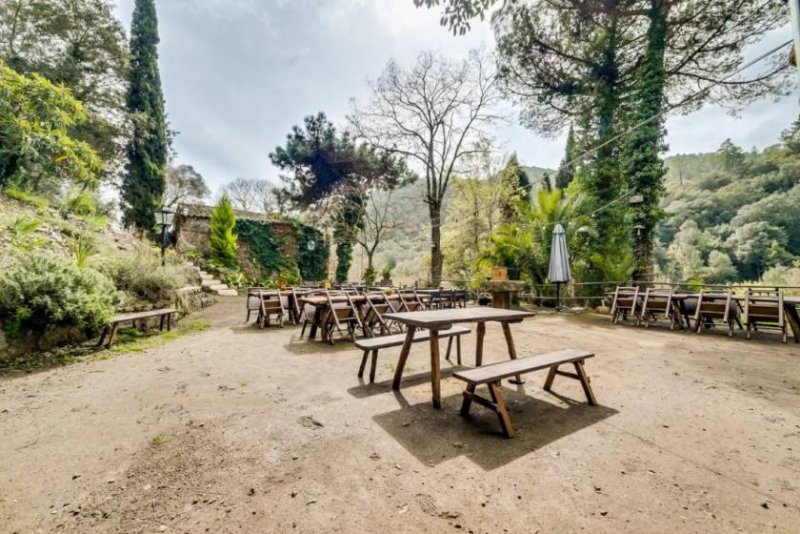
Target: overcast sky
pixel 238 74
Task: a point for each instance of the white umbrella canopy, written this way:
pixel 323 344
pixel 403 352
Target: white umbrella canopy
pixel 559 257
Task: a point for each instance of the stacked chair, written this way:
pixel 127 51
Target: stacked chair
pixel 765 313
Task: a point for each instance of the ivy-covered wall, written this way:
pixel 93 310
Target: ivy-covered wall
pixel 289 250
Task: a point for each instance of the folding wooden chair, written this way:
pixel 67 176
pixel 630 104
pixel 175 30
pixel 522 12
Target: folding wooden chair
pixel 337 315
pixel 373 316
pixel 271 304
pixel 655 302
pixel 712 306
pixel 765 310
pixel 253 303
pixel 410 302
pixel 626 300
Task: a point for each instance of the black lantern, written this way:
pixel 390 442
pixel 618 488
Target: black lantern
pixel 164 219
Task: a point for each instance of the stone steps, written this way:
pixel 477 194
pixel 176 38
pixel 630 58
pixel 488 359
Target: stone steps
pixel 211 285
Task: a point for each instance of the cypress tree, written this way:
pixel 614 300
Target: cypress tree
pixel 566 171
pixel 224 242
pixel 143 184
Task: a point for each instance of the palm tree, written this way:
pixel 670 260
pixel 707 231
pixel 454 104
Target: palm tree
pixel 524 246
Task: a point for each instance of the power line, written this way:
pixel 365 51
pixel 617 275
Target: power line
pixel 670 108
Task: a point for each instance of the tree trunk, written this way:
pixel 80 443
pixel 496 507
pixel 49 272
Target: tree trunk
pixel 437 259
pixel 642 165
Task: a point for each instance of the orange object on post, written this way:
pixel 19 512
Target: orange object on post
pixel 499 273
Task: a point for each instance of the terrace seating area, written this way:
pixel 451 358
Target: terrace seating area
pixel 753 310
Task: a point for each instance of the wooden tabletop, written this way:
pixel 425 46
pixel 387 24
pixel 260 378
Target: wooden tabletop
pixel 322 300
pixel 441 318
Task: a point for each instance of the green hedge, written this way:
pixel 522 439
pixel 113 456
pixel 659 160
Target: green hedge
pixel 267 250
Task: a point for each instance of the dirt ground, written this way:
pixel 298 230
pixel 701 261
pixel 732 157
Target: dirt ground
pixel 237 429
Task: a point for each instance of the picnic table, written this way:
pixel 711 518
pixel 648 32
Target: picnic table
pixel 438 320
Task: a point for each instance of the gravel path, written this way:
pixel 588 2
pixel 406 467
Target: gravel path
pixel 237 429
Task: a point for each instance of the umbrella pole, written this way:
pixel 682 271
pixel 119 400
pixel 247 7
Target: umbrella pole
pixel 558 296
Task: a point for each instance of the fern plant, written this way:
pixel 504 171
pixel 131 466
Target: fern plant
pixel 82 247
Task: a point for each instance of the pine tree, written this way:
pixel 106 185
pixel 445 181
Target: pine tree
pixel 566 171
pixel 224 243
pixel 144 181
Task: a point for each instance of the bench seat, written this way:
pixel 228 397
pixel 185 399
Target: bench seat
pixel 491 375
pixel 374 344
pixel 110 331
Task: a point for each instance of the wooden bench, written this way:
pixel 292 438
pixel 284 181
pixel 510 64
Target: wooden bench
pixel 110 331
pixel 491 375
pixel 374 344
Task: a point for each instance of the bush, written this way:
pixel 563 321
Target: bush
pixel 82 205
pixel 43 291
pixel 140 275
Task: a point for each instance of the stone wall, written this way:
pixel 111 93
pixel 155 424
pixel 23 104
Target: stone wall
pixel 193 232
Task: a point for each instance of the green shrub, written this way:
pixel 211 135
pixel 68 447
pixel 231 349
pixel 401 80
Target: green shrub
pixel 141 275
pixel 82 205
pixel 224 243
pixel 43 291
pixel 40 203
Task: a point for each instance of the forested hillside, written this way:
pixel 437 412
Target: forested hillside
pixel 733 215
pixel 409 246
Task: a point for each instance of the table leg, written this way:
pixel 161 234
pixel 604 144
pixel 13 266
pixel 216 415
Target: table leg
pixel 436 371
pixel 312 334
pixel 794 320
pixel 479 344
pixel 512 351
pixel 401 362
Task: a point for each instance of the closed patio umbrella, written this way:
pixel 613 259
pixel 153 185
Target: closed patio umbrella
pixel 559 261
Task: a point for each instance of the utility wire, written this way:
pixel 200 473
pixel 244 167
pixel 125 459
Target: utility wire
pixel 638 125
pixel 670 108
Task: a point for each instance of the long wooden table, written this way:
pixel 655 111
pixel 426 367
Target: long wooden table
pixel 320 302
pixel 790 306
pixel 437 320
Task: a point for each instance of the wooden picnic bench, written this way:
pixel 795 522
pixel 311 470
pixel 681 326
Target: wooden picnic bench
pixel 110 331
pixel 374 344
pixel 491 375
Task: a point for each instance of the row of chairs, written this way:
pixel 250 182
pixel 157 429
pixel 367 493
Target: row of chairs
pixel 447 299
pixel 757 309
pixel 346 317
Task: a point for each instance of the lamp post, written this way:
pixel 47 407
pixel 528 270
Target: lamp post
pixel 165 217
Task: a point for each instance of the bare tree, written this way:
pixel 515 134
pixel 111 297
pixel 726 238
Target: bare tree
pixel 379 224
pixel 183 184
pixel 251 195
pixel 433 114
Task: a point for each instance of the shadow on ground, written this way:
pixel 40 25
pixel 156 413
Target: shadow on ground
pixel 436 436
